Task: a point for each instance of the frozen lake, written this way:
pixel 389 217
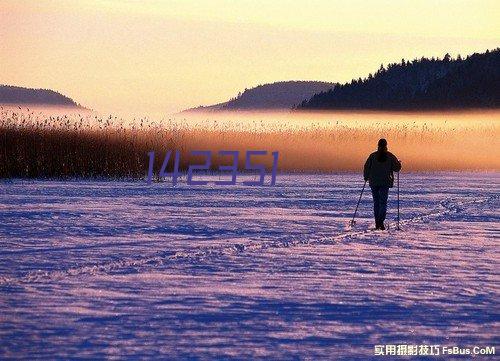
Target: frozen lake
pixel 119 269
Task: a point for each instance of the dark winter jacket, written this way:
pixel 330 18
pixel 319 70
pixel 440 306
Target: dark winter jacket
pixel 381 173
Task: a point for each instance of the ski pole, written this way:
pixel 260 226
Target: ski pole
pixel 357 205
pixel 398 201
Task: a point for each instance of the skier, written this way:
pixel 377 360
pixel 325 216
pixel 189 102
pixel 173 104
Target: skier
pixel 378 170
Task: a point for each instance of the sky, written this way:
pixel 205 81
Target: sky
pixel 158 57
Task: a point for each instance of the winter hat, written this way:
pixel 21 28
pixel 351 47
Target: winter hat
pixel 382 143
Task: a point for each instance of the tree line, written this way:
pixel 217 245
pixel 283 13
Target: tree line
pixel 471 82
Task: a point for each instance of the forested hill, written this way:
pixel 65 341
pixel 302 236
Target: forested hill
pixel 473 82
pixel 18 95
pixel 279 95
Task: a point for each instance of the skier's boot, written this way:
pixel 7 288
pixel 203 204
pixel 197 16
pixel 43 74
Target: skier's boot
pixel 381 226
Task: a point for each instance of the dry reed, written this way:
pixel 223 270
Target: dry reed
pixel 35 145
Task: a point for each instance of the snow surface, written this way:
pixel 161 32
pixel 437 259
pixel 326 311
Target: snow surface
pixel 120 269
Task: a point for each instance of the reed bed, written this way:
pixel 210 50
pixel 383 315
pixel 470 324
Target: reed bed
pixel 37 145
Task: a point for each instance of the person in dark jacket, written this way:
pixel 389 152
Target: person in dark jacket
pixel 378 170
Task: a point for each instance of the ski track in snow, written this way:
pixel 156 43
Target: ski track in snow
pixel 245 272
pixel 448 206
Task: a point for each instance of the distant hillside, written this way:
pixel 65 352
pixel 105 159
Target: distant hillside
pixel 18 95
pixel 473 82
pixel 279 95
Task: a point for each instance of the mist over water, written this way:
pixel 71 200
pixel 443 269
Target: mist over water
pixel 307 141
pixel 301 120
pixel 340 141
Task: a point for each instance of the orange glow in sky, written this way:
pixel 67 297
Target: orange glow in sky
pixel 151 57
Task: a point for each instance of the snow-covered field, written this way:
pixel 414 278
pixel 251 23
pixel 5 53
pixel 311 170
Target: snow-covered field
pixel 119 269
